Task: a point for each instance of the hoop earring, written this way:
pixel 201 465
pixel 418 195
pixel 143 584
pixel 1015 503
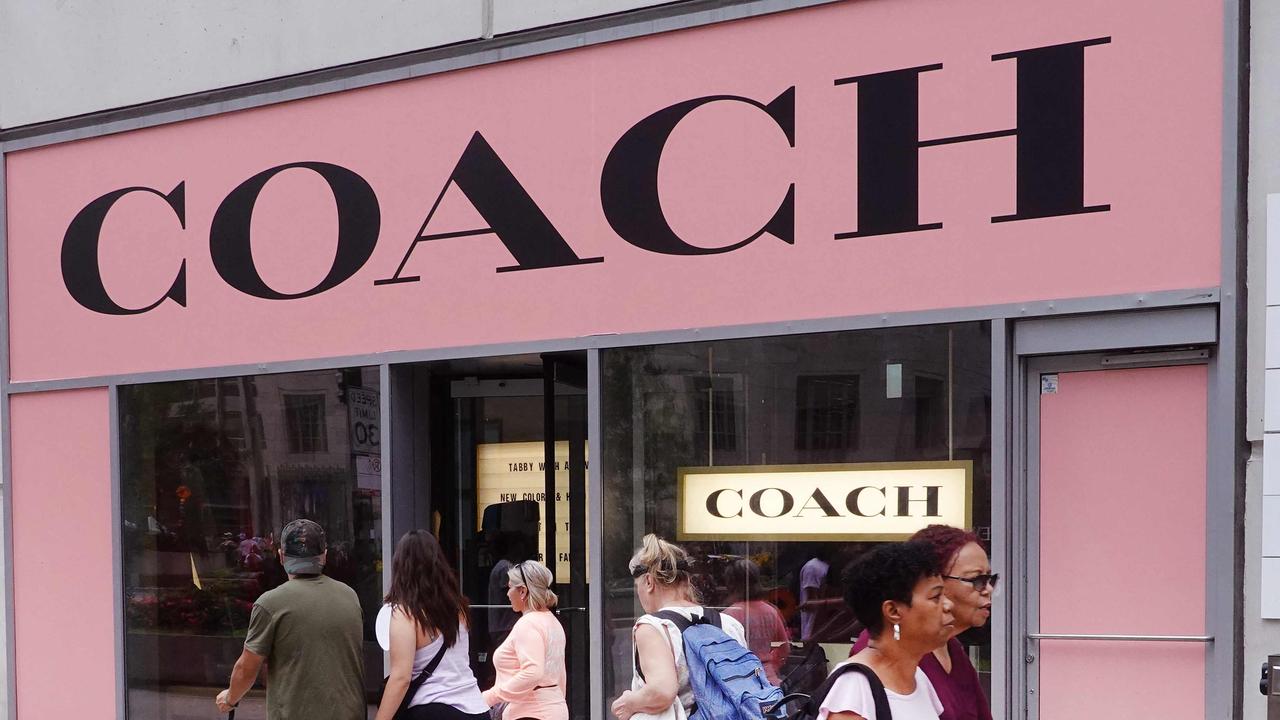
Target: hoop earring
pixel 897 632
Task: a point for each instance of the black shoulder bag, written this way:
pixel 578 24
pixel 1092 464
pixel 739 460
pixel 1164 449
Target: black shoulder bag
pixel 416 682
pixel 809 710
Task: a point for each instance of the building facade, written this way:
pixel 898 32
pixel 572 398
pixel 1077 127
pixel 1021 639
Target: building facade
pixel 775 279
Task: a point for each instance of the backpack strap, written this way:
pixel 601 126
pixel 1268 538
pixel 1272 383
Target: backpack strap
pixel 878 694
pixel 681 624
pixel 711 616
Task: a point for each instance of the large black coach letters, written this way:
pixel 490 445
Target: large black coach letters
pixel 1050 133
pixel 80 270
pixel 629 181
pixel 358 222
pixel 512 215
pixel 1049 180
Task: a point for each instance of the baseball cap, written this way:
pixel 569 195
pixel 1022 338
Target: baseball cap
pixel 303 542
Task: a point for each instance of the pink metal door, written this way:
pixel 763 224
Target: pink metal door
pixel 1120 546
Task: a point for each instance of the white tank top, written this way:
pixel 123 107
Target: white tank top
pixel 452 683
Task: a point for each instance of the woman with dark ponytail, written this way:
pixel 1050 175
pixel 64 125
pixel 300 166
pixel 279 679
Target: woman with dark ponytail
pixel 431 676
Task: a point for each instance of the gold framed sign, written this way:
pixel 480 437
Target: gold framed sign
pixel 848 501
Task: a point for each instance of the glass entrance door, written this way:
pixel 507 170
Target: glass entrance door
pixel 500 451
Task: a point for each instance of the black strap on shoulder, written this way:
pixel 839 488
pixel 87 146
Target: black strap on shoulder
pixel 880 697
pixel 709 616
pixel 430 669
pixel 682 623
pixel 418 680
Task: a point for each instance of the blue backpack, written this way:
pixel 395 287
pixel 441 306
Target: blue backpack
pixel 728 680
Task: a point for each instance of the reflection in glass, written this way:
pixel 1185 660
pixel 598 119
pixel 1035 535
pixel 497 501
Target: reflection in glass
pixel 210 471
pixel 875 396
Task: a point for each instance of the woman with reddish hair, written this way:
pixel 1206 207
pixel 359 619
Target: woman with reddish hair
pixel 969 584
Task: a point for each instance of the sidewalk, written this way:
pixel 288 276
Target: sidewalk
pixel 196 703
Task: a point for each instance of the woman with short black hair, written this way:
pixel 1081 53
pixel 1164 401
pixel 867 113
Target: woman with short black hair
pixel 896 590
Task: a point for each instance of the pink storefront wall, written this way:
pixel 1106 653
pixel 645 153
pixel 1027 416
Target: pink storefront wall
pixel 1152 134
pixel 63 586
pixel 1152 124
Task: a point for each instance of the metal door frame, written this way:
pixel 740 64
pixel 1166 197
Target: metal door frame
pixel 406 475
pixel 1082 343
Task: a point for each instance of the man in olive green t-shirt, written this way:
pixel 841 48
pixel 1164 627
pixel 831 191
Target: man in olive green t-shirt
pixel 309 632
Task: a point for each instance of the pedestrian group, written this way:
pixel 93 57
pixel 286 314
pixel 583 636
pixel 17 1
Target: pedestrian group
pixel 690 662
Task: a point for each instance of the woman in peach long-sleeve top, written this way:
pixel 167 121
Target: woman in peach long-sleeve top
pixel 530 662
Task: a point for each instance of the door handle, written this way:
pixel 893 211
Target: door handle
pixel 1122 638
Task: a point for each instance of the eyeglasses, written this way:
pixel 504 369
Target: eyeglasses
pixel 523 579
pixel 639 571
pixel 979 582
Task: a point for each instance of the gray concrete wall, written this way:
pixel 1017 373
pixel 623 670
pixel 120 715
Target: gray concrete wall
pixel 72 57
pixel 1261 636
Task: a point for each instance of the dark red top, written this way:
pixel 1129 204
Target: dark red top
pixel 959 690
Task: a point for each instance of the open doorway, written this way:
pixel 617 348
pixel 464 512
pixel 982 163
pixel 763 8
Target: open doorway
pixel 490 454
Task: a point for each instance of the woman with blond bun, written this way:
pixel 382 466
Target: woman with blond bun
pixel 660 676
pixel 530 662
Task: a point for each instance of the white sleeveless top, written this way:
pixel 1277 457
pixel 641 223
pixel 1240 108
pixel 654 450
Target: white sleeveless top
pixel 852 693
pixel 730 625
pixel 452 683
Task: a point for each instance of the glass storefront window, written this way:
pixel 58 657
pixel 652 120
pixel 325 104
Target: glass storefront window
pixel 210 471
pixel 892 398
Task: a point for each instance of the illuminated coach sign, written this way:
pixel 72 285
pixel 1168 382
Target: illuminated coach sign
pixel 870 501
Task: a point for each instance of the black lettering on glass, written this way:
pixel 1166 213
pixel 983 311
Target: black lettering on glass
pixel 713 503
pixel 629 180
pixel 503 202
pixel 788 502
pixel 1049 132
pixel 819 502
pixel 930 501
pixel 851 501
pixel 81 272
pixel 358 221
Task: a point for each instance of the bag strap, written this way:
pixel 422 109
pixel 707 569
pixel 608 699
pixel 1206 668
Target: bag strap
pixel 709 616
pixel 681 622
pixel 427 671
pixel 712 617
pixel 430 669
pixel 878 694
